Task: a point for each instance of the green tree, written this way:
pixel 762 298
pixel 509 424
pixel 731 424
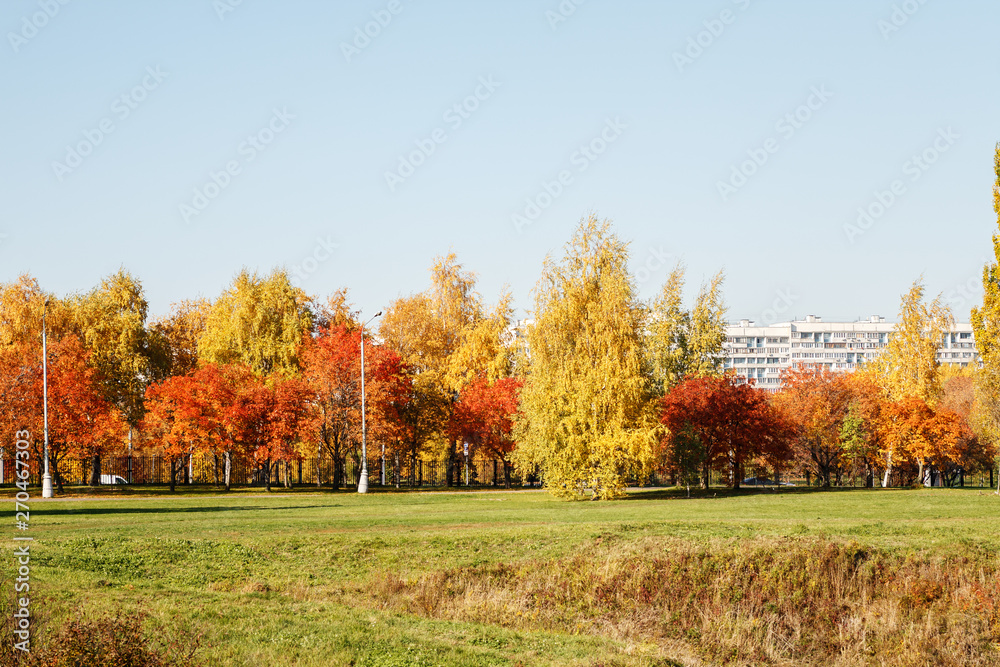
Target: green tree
pixel 588 419
pixel 682 343
pixel 669 327
pixel 708 330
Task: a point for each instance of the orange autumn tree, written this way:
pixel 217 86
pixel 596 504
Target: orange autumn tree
pixel 484 418
pixel 195 412
pixel 816 401
pixel 173 422
pixel 926 436
pixel 82 422
pixel 862 433
pixel 18 368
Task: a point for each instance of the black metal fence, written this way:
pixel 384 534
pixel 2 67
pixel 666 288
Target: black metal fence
pixel 210 469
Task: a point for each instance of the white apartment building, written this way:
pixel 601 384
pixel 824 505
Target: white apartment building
pixel 763 352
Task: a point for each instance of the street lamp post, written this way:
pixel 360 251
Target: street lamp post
pixel 46 477
pixel 363 481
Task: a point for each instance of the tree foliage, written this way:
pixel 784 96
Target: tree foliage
pixel 729 421
pixel 680 342
pixel 587 416
pixel 909 365
pixel 258 321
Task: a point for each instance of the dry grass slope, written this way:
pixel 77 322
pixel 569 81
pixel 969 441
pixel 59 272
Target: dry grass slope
pixel 780 602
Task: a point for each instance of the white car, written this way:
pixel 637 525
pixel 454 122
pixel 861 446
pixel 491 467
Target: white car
pixel 113 479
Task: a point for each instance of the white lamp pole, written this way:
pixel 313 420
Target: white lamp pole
pixel 46 477
pixel 363 482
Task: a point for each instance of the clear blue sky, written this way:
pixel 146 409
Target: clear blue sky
pixel 681 129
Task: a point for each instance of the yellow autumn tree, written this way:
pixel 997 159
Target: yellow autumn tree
pixel 587 412
pixel 908 368
pixel 21 306
pixel 258 321
pixel 111 321
pixel 446 338
pixel 681 343
pixel 986 329
pixel 180 332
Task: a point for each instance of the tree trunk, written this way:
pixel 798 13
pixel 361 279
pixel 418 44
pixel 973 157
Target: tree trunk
pixel 506 474
pixel 95 471
pixel 451 463
pixel 215 468
pixel 319 468
pixel 808 478
pixel 55 474
pixel 173 474
pixel 705 476
pixel 227 472
pixel 888 471
pixel 267 475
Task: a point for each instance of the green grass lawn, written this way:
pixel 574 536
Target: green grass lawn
pixel 280 579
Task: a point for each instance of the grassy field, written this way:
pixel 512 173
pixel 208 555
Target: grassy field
pixel 517 578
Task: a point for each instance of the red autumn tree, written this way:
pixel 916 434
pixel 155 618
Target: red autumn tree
pixel 332 367
pixel 729 421
pixel 484 417
pixel 816 402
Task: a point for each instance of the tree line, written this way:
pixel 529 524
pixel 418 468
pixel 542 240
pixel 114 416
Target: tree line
pixel 597 389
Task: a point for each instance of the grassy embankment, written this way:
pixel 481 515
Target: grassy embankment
pixel 799 577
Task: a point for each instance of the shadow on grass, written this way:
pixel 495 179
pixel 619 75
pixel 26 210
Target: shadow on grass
pixel 674 493
pixel 49 510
